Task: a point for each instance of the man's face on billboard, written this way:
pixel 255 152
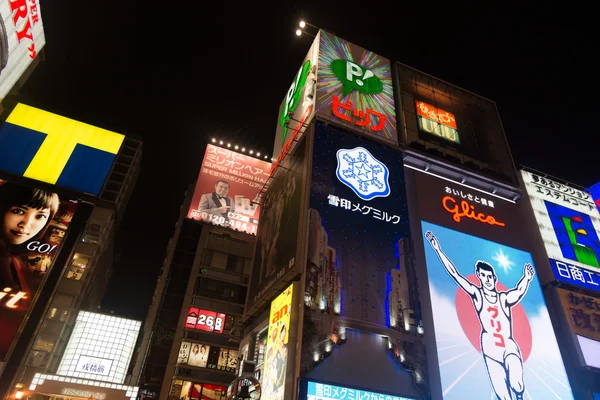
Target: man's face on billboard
pixel 222 188
pixel 487 279
pixel 21 223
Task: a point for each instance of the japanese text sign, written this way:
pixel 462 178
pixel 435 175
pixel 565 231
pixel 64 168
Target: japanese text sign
pixel 204 320
pixel 582 312
pixel 323 391
pixel 437 122
pixel 227 189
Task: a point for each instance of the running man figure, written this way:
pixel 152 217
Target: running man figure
pixel 501 353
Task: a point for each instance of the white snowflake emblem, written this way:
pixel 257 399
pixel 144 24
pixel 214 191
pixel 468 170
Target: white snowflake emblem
pixel 363 173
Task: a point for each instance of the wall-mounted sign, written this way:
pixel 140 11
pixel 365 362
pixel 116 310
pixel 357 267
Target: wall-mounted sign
pixel 583 313
pixel 569 224
pixel 204 320
pixel 206 356
pixel 93 365
pixel 312 390
pixel 594 191
pixel 437 122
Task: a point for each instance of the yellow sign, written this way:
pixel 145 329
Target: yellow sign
pixel 273 381
pixel 583 313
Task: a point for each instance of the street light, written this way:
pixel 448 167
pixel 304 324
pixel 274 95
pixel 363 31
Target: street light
pixel 298 32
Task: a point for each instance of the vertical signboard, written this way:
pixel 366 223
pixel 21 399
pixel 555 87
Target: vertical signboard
pixel 569 224
pixel 34 223
pixel 276 356
pixel 279 232
pixel 21 39
pixel 354 88
pixel 298 106
pixel 491 327
pixel 227 189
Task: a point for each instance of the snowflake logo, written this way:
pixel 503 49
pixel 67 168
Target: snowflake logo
pixel 363 173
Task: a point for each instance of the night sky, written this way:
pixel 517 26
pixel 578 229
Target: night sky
pixel 176 74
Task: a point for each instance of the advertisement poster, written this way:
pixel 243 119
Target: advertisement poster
pixel 277 239
pixel 354 88
pixel 583 313
pixel 227 189
pixel 198 354
pixel 276 357
pixel 21 40
pixel 33 226
pixel 569 224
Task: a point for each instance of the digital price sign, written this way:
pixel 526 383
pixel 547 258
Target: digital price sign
pixel 204 320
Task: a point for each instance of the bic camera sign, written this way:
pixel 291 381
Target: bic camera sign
pixel 356 77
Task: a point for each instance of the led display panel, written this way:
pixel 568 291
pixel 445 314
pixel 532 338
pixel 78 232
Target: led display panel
pixel 569 224
pixel 491 328
pixel 100 347
pixel 205 320
pixel 50 148
pixel 34 223
pixel 227 189
pixel 21 39
pixel 316 390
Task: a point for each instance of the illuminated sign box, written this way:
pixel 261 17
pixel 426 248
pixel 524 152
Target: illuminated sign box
pixel 50 148
pixel 204 320
pixel 100 348
pixel 206 356
pixel 437 122
pixel 317 390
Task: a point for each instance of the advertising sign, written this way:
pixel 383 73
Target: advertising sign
pixel 583 313
pixel 276 355
pixel 21 39
pixel 298 106
pixel 358 214
pixel 492 330
pixel 50 148
pixel 227 189
pixel 569 224
pixel 437 122
pixel 206 356
pixel 312 390
pixel 277 238
pixel 33 226
pixel 100 347
pixel 204 320
pixel 354 88
pixel 594 191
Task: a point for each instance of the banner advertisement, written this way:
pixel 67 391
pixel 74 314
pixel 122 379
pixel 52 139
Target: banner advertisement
pixel 206 356
pixel 276 353
pixel 21 40
pixel 227 189
pixel 354 88
pixel 315 390
pixel 54 149
pixel 277 239
pixel 569 224
pixel 492 330
pixel 34 224
pixel 583 313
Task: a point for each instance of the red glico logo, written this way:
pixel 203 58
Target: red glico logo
pixel 467 211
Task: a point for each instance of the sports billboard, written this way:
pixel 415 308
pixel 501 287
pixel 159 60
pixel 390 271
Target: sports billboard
pixel 50 148
pixel 570 227
pixel 354 88
pixel 491 329
pixel 33 226
pixel 276 353
pixel 227 189
pixel 21 39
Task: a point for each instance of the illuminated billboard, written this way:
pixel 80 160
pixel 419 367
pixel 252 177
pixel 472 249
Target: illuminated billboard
pixel 276 353
pixel 317 390
pixel 437 122
pixel 100 347
pixel 206 356
pixel 21 39
pixel 354 88
pixel 583 313
pixel 491 332
pixel 569 224
pixel 298 106
pixel 227 189
pixel 594 191
pixel 33 226
pixel 50 148
pixel 204 320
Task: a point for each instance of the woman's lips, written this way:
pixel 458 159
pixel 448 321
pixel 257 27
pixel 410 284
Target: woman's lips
pixel 18 233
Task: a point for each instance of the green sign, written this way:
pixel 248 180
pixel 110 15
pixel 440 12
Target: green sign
pixel 293 98
pixel 357 77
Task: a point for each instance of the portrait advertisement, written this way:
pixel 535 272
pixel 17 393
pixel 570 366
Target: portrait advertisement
pixel 33 226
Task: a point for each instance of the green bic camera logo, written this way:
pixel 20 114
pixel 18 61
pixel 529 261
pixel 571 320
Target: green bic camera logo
pixel 293 98
pixel 357 77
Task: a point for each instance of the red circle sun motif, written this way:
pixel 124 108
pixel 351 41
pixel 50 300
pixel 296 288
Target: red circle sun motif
pixel 469 321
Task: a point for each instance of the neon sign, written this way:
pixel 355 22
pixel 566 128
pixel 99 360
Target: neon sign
pixel 437 122
pixel 292 98
pixel 467 211
pixel 204 320
pixel 14 297
pixel 356 77
pixel 361 118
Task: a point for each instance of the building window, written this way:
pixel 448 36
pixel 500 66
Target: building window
pixel 219 290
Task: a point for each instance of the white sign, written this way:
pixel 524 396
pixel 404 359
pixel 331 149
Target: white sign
pixel 21 39
pixel 93 365
pixel 83 393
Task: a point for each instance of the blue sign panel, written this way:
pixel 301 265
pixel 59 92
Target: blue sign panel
pixel 595 192
pixel 324 391
pixel 575 275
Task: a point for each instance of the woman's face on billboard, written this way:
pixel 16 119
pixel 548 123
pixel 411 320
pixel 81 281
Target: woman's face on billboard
pixel 21 223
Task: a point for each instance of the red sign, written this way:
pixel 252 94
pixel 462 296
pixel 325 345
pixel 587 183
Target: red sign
pixel 467 210
pixel 371 118
pixel 204 320
pixel 435 114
